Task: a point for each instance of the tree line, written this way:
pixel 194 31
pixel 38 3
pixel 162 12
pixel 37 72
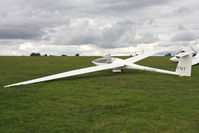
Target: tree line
pixel 38 54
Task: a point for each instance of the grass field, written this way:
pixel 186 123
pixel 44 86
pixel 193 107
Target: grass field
pixel 129 102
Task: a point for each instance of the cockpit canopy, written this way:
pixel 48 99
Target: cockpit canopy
pixel 181 51
pixel 105 60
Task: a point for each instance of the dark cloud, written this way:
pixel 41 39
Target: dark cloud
pixel 124 5
pixel 21 32
pixel 184 35
pixel 182 11
pixel 118 34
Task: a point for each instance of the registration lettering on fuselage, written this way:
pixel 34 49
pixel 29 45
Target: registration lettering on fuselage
pixel 181 68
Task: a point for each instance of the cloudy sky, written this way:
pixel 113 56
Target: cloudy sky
pixel 96 27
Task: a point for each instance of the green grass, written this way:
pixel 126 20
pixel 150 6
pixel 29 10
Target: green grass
pixel 129 102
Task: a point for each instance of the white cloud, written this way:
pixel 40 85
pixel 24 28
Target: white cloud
pixel 94 27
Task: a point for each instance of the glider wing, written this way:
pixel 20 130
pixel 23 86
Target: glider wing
pixel 143 56
pixel 69 73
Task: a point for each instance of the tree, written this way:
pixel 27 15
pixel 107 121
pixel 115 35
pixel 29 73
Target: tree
pixel 35 54
pixel 168 54
pixel 63 55
pixel 77 55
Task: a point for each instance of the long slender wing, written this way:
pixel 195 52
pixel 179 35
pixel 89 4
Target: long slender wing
pixel 144 55
pixel 69 73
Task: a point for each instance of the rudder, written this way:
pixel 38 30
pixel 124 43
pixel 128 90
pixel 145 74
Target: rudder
pixel 184 65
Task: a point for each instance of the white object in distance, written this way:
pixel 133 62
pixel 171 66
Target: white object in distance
pixel 191 50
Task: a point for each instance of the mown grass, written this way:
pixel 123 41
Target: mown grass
pixel 131 101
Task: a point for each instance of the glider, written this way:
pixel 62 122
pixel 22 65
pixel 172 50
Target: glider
pixel 191 50
pixel 117 65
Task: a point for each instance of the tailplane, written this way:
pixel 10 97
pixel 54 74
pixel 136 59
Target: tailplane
pixel 184 65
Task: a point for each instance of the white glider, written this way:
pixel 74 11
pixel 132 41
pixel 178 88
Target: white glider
pixel 191 50
pixel 117 65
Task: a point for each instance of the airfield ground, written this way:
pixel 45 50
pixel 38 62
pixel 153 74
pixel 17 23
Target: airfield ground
pixel 129 102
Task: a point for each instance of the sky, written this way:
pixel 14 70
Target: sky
pixel 96 27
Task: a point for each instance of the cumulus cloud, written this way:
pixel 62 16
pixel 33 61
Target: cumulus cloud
pixel 184 34
pixel 109 35
pixel 96 25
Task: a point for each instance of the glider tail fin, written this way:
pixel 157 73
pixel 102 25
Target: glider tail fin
pixel 184 65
